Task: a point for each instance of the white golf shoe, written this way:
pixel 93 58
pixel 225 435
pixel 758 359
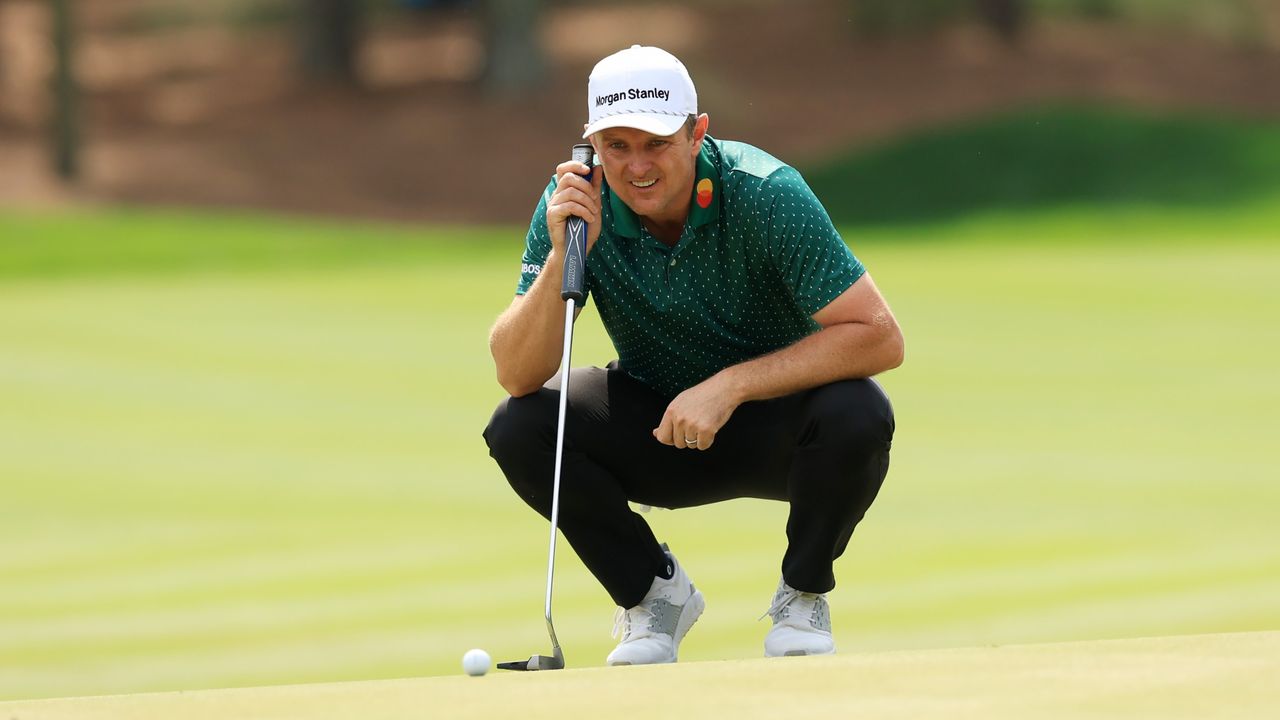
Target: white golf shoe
pixel 652 631
pixel 801 624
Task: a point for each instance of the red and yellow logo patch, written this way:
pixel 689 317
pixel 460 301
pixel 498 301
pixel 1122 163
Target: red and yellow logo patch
pixel 705 188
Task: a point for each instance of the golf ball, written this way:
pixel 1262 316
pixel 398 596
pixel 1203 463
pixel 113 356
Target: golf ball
pixel 475 662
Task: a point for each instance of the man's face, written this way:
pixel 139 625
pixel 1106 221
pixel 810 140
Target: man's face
pixel 652 174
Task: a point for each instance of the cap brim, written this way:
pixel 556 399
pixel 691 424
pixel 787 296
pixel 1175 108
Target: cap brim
pixel 662 125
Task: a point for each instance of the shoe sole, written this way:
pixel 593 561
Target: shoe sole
pixel 800 652
pixel 693 608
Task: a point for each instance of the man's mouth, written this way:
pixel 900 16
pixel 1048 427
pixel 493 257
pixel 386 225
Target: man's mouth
pixel 643 183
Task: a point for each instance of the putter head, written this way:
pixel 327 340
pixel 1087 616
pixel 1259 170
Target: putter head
pixel 536 662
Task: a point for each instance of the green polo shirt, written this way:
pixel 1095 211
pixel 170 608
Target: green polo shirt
pixel 757 258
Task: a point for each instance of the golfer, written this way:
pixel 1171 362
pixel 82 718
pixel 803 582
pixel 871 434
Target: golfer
pixel 746 333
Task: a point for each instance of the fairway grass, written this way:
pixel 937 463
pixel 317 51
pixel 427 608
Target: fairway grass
pixel 230 471
pixel 1218 676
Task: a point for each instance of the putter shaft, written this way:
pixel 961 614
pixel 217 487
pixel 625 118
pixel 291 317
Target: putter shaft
pixel 569 308
pixel 572 291
pixel 556 660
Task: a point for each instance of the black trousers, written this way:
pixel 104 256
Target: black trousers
pixel 825 451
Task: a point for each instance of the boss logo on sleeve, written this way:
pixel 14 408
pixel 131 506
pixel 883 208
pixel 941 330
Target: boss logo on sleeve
pixel 527 268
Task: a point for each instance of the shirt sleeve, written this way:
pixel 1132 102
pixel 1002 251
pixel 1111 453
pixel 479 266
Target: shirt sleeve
pixel 537 243
pixel 812 259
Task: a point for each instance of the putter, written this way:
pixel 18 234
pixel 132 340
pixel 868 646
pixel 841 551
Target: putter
pixel 571 291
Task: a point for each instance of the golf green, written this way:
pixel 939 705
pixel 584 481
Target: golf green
pixel 266 468
pixel 1219 676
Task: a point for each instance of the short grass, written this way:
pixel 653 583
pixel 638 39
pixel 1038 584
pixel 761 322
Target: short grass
pixel 1055 158
pixel 1219 676
pixel 236 471
pixel 243 450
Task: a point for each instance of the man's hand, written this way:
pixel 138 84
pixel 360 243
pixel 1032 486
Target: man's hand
pixel 574 196
pixel 695 416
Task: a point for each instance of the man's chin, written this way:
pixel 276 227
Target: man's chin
pixel 642 206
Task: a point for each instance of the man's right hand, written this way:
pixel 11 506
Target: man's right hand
pixel 527 339
pixel 574 196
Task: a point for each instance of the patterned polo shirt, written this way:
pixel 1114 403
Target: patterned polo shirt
pixel 757 258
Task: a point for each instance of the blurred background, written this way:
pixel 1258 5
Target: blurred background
pixel 407 109
pixel 250 251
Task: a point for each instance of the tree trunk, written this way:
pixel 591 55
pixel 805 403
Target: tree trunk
pixel 514 63
pixel 66 140
pixel 330 40
pixel 1005 17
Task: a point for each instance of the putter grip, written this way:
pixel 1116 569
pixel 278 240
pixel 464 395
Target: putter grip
pixel 575 244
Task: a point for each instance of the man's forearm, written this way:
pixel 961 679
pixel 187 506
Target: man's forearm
pixel 838 352
pixel 527 338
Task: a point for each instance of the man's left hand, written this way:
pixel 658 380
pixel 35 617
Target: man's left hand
pixel 695 416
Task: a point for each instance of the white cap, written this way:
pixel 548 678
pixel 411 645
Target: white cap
pixel 645 88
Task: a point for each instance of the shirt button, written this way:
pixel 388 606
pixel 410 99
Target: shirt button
pixel 673 262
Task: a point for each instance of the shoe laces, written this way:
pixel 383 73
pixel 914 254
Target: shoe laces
pixel 629 626
pixel 805 604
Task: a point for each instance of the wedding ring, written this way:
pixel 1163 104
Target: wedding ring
pixel 687 441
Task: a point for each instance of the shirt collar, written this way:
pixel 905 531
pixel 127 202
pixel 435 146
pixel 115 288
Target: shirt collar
pixel 704 207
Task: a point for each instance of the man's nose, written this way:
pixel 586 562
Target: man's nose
pixel 638 164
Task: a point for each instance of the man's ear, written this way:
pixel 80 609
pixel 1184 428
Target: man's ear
pixel 700 132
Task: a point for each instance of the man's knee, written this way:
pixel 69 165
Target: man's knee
pixel 855 413
pixel 521 426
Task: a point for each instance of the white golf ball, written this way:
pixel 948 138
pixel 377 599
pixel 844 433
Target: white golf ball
pixel 476 662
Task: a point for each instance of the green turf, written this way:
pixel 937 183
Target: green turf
pixel 1054 158
pixel 272 472
pixel 1218 676
pixel 131 241
pixel 242 450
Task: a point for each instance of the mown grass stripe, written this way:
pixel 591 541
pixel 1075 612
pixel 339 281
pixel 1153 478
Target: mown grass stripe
pixel 1046 481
